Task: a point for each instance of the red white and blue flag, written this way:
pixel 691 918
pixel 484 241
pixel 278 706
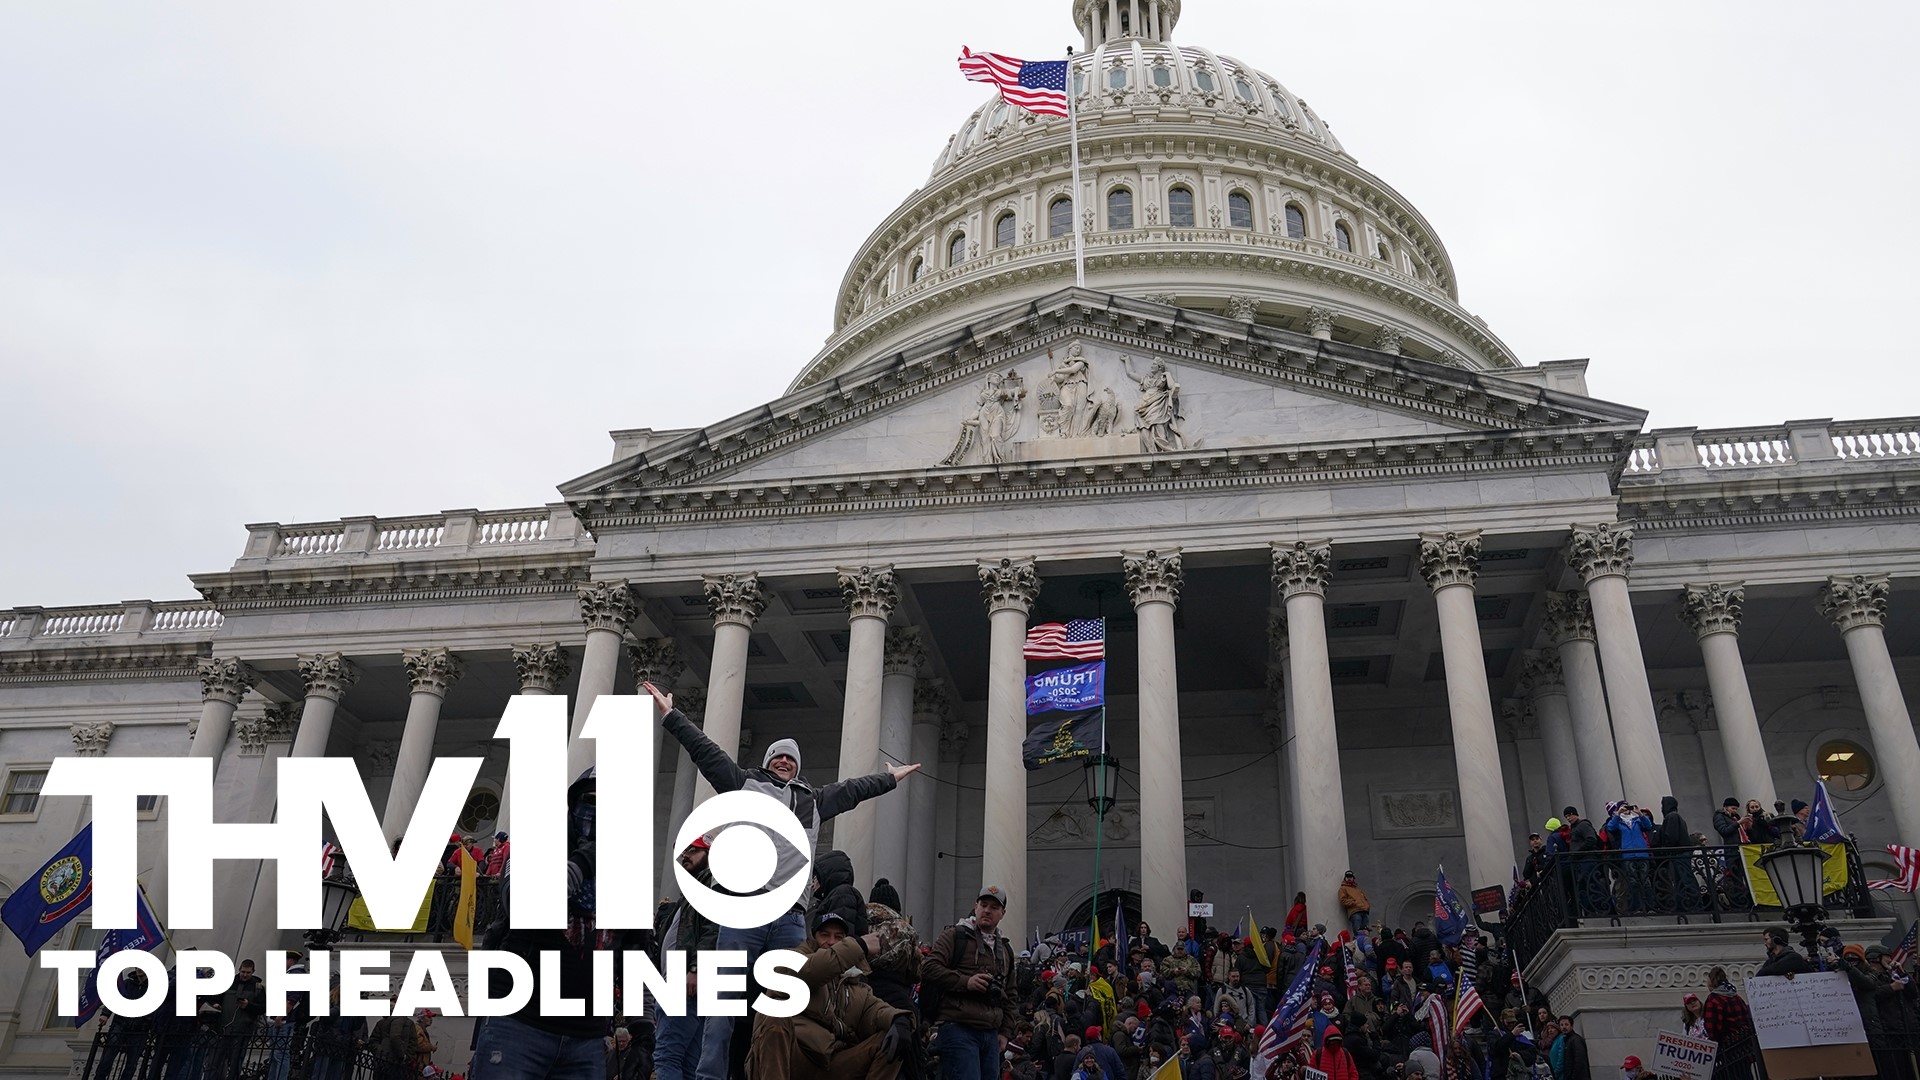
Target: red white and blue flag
pixel 1904 951
pixel 1907 860
pixel 1038 86
pixel 1823 825
pixel 1292 1022
pixel 1466 1000
pixel 146 935
pixel 1080 639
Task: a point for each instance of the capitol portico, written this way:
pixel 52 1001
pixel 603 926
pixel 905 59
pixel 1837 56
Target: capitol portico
pixel 1380 594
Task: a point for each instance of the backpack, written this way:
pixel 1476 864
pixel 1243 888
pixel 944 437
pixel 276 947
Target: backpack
pixel 930 995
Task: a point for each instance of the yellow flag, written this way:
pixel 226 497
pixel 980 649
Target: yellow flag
pixel 1253 935
pixel 463 910
pixel 358 918
pixel 1833 873
pixel 1168 1071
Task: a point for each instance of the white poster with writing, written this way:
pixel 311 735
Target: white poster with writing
pixel 1815 1009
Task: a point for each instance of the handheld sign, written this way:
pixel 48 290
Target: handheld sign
pixel 1682 1055
pixel 1808 1026
pixel 1199 911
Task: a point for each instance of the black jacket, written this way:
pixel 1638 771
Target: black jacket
pixel 1673 828
pixel 1786 962
pixel 1584 838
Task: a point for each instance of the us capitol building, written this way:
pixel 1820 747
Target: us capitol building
pixel 1380 593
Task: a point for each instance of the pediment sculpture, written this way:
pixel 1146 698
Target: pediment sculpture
pixel 1070 405
pixel 994 421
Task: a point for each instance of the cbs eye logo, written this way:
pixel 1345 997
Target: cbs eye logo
pixel 742 858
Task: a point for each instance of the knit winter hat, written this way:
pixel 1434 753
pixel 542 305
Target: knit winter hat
pixel 1798 805
pixel 782 746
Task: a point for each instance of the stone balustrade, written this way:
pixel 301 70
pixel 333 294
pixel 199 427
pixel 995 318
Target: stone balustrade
pixel 133 619
pixel 455 532
pixel 1794 443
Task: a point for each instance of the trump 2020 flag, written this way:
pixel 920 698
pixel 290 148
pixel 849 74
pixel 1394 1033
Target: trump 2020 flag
pixel 146 936
pixel 1063 737
pixel 1823 825
pixel 1291 1022
pixel 1038 86
pixel 1067 689
pixel 62 889
pixel 1450 918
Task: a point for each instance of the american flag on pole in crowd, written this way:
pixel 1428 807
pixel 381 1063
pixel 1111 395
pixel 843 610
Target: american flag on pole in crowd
pixel 1038 86
pixel 327 852
pixel 1437 1025
pixel 1909 945
pixel 1908 861
pixel 1466 992
pixel 1350 959
pixel 1080 639
pixel 1291 1022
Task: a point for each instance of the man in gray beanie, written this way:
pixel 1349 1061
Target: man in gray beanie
pixel 778 777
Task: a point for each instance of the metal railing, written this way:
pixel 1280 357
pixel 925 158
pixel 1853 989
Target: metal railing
pixel 158 1048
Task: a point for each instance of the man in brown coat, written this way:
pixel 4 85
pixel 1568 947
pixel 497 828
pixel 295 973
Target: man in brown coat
pixel 846 1031
pixel 970 970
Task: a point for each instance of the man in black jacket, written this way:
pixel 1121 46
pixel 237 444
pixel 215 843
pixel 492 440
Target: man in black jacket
pixel 1592 894
pixel 1782 958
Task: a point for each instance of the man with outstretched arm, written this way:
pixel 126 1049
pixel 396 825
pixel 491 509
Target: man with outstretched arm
pixel 779 778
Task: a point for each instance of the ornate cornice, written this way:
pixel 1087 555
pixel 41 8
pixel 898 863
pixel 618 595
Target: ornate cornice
pixel 541 667
pixel 431 670
pixel 1569 618
pixel 607 605
pixel 390 583
pixel 1009 585
pixel 90 739
pixel 1303 567
pixel 1600 550
pixel 1541 673
pixel 868 591
pixel 653 660
pixel 1153 577
pixel 1450 558
pixel 1883 491
pixel 110 664
pixel 327 675
pixel 1855 601
pixel 906 652
pixel 1713 608
pixel 734 598
pixel 225 678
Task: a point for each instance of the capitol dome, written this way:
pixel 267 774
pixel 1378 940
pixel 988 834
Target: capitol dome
pixel 1205 184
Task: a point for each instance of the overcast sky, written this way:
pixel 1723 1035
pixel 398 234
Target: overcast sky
pixel 270 262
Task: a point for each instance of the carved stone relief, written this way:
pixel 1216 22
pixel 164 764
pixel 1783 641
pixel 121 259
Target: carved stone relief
pixel 1073 823
pixel 1074 399
pixel 1403 813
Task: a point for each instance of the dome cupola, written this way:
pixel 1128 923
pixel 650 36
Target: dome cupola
pixel 1104 21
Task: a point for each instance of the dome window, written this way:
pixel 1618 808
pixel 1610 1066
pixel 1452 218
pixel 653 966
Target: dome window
pixel 1386 253
pixel 1079 83
pixel 1342 237
pixel 1162 76
pixel 1280 101
pixel 1203 79
pixel 1117 78
pixel 957 249
pixel 1845 765
pixel 918 270
pixel 1059 217
pixel 1296 222
pixel 1180 208
pixel 1120 209
pixel 1003 230
pixel 1239 210
pixel 999 114
pixel 1244 90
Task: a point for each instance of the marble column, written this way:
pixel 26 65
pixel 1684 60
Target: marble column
pixel 693 703
pixel 1450 562
pixel 543 669
pixel 1153 584
pixel 328 676
pixel 1542 681
pixel 431 672
pixel 1603 554
pixel 269 738
pixel 736 602
pixel 1713 611
pixel 870 596
pixel 1008 587
pixel 656 660
pixel 923 790
pixel 1320 325
pixel 607 609
pixel 904 656
pixel 224 680
pixel 951 874
pixel 1857 606
pixel 1301 571
pixel 1570 630
pixel 1279 725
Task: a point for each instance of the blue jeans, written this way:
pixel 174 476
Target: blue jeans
pixel 967 1053
pixel 676 1044
pixel 511 1047
pixel 716 1042
pixel 1358 921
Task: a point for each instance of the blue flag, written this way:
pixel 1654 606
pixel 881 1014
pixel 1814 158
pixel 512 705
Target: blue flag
pixel 60 890
pixel 146 936
pixel 1823 825
pixel 1069 688
pixel 1450 917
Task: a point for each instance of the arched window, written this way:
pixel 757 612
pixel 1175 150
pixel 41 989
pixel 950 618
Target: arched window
pixel 957 249
pixel 1003 230
pixel 1059 217
pixel 918 270
pixel 999 114
pixel 1845 765
pixel 1162 76
pixel 1296 222
pixel 1180 208
pixel 1244 91
pixel 1079 83
pixel 1203 79
pixel 1117 78
pixel 1342 238
pixel 1279 101
pixel 1239 210
pixel 1120 209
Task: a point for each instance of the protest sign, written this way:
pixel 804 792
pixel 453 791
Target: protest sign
pixel 1682 1055
pixel 1808 1025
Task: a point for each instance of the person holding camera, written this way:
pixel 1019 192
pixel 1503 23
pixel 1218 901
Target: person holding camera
pixel 970 973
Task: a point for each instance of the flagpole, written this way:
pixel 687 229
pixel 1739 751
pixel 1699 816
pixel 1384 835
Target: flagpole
pixel 1099 825
pixel 1079 244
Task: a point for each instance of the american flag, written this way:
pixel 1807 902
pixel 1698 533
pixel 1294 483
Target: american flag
pixel 327 852
pixel 1437 1026
pixel 1351 961
pixel 1038 86
pixel 1080 639
pixel 1291 1022
pixel 1466 999
pixel 1908 861
pixel 1904 951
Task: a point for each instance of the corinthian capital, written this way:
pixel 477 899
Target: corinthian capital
pixel 930 702
pixel 655 660
pixel 868 591
pixel 1855 601
pixel 1009 585
pixel 327 675
pixel 1304 566
pixel 431 671
pixel 905 652
pixel 1541 674
pixel 1320 322
pixel 1601 550
pixel 1713 608
pixel 90 738
pixel 541 667
pixel 225 678
pixel 1153 578
pixel 607 605
pixel 734 598
pixel 692 704
pixel 1569 617
pixel 1450 558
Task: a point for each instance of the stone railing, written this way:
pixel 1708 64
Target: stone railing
pixel 1801 441
pixel 462 532
pixel 133 618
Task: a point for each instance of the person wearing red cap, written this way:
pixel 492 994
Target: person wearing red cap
pixel 1630 1069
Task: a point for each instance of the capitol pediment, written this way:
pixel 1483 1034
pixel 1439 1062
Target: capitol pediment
pixel 1088 379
